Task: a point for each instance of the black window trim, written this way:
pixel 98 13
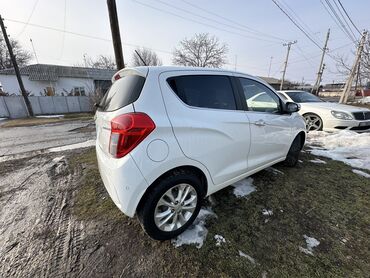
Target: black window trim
pixel 242 97
pixel 133 97
pixel 234 87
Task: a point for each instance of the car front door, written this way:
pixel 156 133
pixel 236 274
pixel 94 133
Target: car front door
pixel 270 129
pixel 208 125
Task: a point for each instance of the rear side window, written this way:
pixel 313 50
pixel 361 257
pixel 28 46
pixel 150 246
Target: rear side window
pixel 206 91
pixel 124 91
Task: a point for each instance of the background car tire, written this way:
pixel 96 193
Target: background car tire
pixel 293 153
pixel 147 209
pixel 311 117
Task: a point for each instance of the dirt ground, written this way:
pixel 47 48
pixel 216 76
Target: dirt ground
pixel 56 220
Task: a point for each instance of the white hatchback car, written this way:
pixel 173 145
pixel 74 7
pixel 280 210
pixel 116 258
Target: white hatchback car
pixel 169 136
pixel 330 116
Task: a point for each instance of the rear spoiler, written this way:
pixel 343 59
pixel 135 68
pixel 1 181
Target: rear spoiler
pixel 142 71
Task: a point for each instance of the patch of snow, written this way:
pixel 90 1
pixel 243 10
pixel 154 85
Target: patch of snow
pixel 365 100
pixel 300 161
pixel 2 119
pixel 242 254
pixel 274 171
pixel 361 173
pixel 311 243
pixel 266 212
pixel 197 232
pixel 347 146
pixel 85 144
pixel 50 116
pixel 318 161
pixel 243 187
pixel 57 159
pixel 219 240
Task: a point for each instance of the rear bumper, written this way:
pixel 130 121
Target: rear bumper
pixel 123 181
pixel 355 125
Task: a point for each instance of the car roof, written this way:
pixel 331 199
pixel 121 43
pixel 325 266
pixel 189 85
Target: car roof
pixel 160 69
pixel 157 70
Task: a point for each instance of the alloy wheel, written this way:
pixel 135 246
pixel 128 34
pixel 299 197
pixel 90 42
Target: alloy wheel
pixel 175 207
pixel 313 122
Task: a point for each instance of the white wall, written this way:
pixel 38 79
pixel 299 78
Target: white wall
pixel 10 85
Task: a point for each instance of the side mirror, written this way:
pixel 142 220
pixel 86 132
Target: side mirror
pixel 291 107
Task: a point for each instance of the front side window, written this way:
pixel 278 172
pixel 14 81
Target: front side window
pixel 206 91
pixel 259 97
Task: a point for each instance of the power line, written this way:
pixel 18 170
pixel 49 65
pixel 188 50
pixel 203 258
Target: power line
pixel 64 27
pixel 297 25
pixel 58 30
pixel 345 20
pixel 333 14
pixel 202 23
pixel 28 19
pixel 243 26
pixel 207 18
pixel 340 3
pixel 296 16
pixel 304 56
pixel 80 34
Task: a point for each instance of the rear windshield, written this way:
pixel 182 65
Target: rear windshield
pixel 124 91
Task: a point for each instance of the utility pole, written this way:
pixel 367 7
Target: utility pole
pixel 34 51
pixel 116 37
pixel 315 88
pixel 347 87
pixel 289 44
pixel 16 69
pixel 270 66
pixel 357 75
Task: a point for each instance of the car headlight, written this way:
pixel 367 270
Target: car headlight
pixel 341 115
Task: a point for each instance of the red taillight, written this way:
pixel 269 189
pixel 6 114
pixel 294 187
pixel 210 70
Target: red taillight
pixel 127 131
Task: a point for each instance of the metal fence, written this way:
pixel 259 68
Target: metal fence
pixel 15 107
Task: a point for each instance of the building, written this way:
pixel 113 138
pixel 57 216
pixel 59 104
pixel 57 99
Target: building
pixel 55 80
pixel 273 82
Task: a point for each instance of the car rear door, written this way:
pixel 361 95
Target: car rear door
pixel 207 121
pixel 270 129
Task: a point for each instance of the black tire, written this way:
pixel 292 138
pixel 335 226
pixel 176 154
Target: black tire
pixel 293 153
pixel 147 208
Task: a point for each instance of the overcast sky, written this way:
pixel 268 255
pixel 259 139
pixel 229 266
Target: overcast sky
pixel 253 30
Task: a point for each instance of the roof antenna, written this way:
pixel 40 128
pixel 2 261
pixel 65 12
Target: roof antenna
pixel 34 51
pixel 142 60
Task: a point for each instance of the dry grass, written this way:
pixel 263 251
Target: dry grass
pixel 42 121
pixel 325 201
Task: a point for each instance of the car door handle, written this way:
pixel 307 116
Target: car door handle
pixel 260 123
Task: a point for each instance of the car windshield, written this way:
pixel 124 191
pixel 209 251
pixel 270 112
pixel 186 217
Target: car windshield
pixel 300 97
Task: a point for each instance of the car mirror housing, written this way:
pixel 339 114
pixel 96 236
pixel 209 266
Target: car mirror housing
pixel 291 107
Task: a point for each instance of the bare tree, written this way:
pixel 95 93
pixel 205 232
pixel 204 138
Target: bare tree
pixel 22 55
pixel 99 62
pixel 344 64
pixel 203 50
pixel 150 58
